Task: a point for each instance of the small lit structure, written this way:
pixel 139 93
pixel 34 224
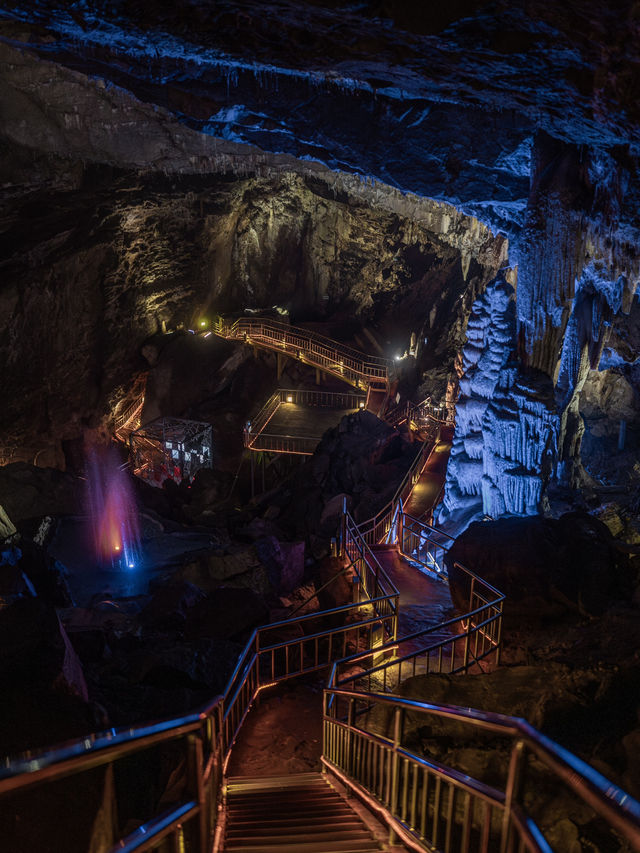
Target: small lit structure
pixel 171 447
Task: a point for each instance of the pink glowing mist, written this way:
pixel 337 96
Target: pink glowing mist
pixel 114 515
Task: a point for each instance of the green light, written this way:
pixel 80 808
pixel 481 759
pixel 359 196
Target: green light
pixel 203 322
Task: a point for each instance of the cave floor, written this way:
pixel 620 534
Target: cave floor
pixel 424 600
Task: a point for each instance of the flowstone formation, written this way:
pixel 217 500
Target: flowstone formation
pixel 506 429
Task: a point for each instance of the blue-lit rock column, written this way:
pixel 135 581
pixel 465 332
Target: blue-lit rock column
pixel 505 441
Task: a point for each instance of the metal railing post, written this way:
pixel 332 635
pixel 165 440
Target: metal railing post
pixel 351 718
pixel 514 789
pixel 467 635
pixel 499 636
pixel 395 767
pixel 196 783
pixel 343 528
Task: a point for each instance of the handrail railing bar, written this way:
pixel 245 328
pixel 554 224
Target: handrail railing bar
pixel 433 628
pixel 352 626
pixel 24 773
pixel 564 763
pixel 149 834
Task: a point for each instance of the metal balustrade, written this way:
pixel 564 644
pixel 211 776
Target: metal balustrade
pixel 469 639
pixel 422 414
pixel 206 737
pixel 128 419
pixel 430 806
pixel 377 528
pixel 335 358
pixel 426 804
pixel 420 542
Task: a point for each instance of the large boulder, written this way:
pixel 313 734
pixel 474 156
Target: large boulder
pixel 29 492
pixel 170 606
pixel 536 561
pixel 362 457
pixel 235 565
pixel 226 613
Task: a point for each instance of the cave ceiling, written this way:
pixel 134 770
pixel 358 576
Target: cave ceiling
pixel 444 103
pixel 509 131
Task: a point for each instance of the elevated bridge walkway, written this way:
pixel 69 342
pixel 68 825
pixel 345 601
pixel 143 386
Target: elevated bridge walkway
pixel 325 354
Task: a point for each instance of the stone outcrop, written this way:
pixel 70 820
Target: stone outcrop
pixel 363 458
pixel 45 697
pixel 505 440
pixel 540 563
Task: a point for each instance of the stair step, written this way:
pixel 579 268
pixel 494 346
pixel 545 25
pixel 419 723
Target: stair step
pixel 302 820
pixel 334 813
pixel 369 846
pixel 285 801
pixel 358 835
pixel 292 814
pixel 290 794
pixel 295 780
pixel 287 807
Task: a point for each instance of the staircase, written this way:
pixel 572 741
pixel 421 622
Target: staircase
pixel 292 814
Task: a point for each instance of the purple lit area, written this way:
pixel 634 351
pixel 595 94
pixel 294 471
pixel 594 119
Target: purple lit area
pixel 114 515
pixel 319 426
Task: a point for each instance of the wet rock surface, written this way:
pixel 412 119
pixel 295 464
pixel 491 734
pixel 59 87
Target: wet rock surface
pixel 592 712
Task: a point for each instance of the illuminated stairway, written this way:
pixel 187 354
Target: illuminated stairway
pixel 294 814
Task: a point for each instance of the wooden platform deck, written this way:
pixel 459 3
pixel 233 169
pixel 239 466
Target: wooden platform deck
pixel 313 422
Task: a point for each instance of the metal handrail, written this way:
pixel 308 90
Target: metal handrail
pixel 128 415
pixel 483 619
pixel 210 733
pixel 370 528
pixel 609 801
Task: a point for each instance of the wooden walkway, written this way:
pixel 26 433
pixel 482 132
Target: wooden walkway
pixel 424 601
pixel 431 482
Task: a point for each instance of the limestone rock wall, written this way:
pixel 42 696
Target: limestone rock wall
pixel 112 257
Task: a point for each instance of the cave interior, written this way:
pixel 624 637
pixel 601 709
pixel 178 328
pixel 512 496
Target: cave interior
pixel 266 267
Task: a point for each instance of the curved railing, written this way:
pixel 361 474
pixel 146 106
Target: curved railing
pixel 427 804
pixel 335 358
pixel 127 420
pixel 422 413
pixel 201 741
pixel 457 645
pixel 434 807
pixel 417 540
